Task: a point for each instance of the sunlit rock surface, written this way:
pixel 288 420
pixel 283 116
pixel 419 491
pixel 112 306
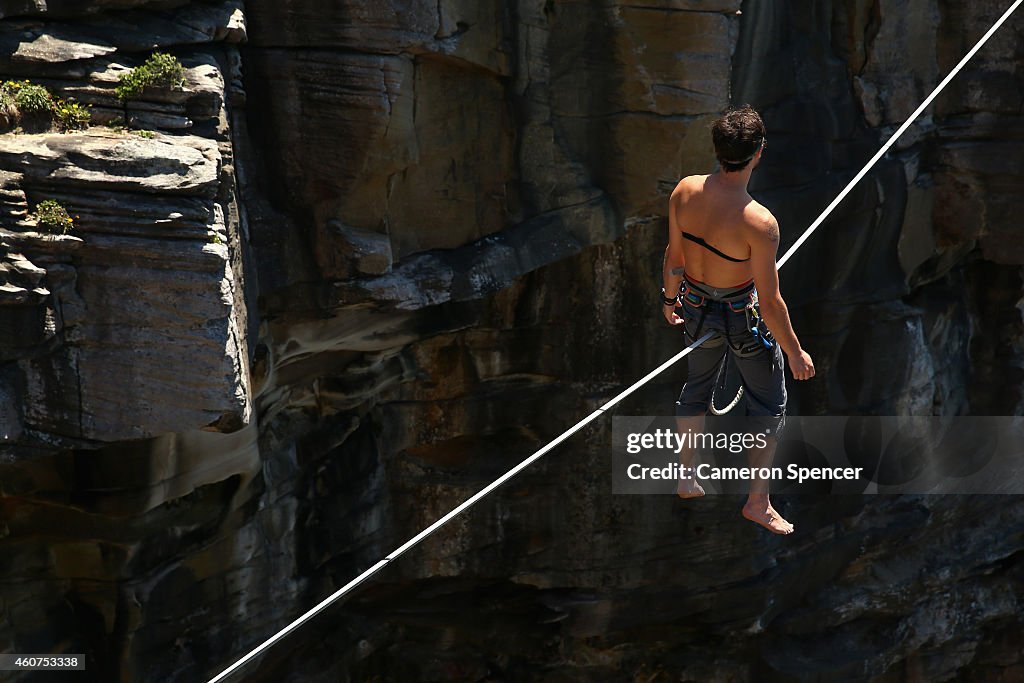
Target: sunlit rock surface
pixel 375 253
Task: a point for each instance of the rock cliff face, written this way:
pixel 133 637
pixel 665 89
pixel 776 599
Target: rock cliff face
pixel 373 254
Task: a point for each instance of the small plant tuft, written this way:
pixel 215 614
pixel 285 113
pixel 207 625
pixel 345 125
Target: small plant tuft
pixel 54 217
pixel 32 106
pixel 31 99
pixel 161 70
pixel 132 84
pixel 166 70
pixel 71 115
pixel 119 127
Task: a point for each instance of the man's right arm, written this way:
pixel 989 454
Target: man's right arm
pixel 764 245
pixel 674 260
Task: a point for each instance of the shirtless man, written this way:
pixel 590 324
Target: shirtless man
pixel 727 243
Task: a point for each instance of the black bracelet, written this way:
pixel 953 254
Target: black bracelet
pixel 673 301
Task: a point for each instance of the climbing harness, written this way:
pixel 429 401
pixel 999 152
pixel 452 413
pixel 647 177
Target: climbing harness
pixel 732 301
pixel 482 493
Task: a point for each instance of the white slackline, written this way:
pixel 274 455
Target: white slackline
pixel 466 504
pixel 484 492
pixel 899 131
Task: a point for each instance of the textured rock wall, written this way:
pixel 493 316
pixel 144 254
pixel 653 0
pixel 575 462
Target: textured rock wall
pixel 598 588
pixel 130 327
pixel 438 228
pixel 126 413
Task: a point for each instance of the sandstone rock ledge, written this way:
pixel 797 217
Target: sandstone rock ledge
pixel 131 320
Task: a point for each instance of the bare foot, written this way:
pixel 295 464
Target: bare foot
pixel 764 514
pixel 689 488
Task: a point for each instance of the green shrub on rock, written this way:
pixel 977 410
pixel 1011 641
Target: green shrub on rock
pixel 53 217
pixel 31 99
pixel 166 70
pixel 132 83
pixel 32 106
pixel 160 70
pixel 71 115
pixel 26 106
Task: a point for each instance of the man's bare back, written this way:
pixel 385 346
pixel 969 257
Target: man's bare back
pixel 729 221
pixel 725 217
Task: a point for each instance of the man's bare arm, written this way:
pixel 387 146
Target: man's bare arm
pixel 672 266
pixel 673 261
pixel 764 245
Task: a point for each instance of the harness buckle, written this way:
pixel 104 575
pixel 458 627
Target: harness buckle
pixel 694 299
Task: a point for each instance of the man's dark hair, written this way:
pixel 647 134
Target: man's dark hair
pixel 737 135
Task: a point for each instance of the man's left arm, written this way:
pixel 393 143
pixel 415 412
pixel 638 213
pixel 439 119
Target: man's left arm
pixel 764 245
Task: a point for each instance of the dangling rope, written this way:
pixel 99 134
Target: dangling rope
pixel 469 502
pixel 720 382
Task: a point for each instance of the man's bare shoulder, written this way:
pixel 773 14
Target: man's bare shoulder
pixel 688 186
pixel 760 222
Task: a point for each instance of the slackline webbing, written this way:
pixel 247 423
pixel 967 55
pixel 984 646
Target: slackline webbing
pixel 899 131
pixel 482 493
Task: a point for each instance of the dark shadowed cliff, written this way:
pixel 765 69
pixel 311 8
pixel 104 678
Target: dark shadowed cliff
pixel 376 252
